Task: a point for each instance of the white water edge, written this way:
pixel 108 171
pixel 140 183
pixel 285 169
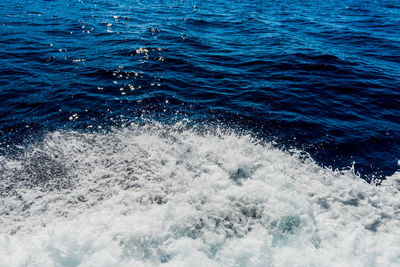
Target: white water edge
pixel 167 195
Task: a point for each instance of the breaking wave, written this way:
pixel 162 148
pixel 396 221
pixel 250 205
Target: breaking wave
pixel 154 194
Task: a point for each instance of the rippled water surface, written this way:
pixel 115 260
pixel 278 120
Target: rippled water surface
pixel 242 127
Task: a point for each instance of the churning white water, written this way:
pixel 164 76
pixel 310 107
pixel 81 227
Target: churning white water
pixel 167 195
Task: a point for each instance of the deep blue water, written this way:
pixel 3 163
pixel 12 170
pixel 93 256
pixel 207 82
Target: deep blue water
pixel 319 76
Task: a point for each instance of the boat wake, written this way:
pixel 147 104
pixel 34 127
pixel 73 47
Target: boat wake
pixel 174 195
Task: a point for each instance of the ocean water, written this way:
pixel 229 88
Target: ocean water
pixel 199 133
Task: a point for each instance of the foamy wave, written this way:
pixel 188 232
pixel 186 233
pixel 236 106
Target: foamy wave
pixel 168 195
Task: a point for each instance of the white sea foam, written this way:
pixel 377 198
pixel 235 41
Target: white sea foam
pixel 166 195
